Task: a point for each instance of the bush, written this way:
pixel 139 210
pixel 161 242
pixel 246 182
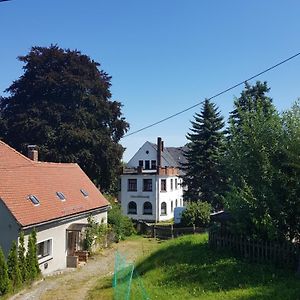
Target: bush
pixel 196 213
pixel 14 272
pixel 121 225
pixel 4 279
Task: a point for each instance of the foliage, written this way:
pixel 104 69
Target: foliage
pixel 94 234
pixel 196 213
pixel 5 284
pixel 186 268
pixel 262 161
pixel 62 104
pixel 31 257
pixel 203 170
pixel 22 258
pixel 13 266
pixel 122 225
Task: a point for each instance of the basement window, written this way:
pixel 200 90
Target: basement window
pixel 61 196
pixel 84 193
pixel 34 199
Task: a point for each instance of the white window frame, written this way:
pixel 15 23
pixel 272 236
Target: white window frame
pixel 43 258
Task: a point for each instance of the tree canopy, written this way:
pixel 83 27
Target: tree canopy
pixel 62 103
pixel 203 170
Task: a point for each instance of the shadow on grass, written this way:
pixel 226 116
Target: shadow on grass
pixel 188 262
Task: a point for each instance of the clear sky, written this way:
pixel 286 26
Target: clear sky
pixel 163 55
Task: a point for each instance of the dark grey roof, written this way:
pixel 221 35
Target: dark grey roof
pixel 177 154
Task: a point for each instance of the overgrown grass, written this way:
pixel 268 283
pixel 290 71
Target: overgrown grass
pixel 186 268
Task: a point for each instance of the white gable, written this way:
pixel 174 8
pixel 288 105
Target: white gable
pixel 146 152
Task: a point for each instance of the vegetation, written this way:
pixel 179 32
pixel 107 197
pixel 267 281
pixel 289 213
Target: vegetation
pixel 5 284
pixel 18 269
pixel 203 170
pixel 196 213
pixel 263 171
pixel 121 225
pixel 62 104
pixel 13 267
pixel 94 235
pixel 186 268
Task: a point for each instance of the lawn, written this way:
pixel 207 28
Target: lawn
pixel 185 268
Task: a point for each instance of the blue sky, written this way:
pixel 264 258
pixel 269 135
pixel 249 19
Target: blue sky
pixel 163 55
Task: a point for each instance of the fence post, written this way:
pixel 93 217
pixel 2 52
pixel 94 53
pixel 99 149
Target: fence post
pixel 172 231
pixel 194 228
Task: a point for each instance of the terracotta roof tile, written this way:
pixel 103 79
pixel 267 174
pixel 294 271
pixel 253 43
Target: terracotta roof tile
pixel 21 177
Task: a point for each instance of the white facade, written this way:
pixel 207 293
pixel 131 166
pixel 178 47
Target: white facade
pixel 151 187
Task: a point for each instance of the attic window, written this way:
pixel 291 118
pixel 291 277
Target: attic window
pixel 61 196
pixel 84 193
pixel 34 199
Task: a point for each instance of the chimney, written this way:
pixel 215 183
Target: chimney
pixel 159 150
pixel 33 154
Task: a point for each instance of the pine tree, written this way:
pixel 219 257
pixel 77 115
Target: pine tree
pixel 203 171
pixel 22 258
pixel 14 273
pixel 5 284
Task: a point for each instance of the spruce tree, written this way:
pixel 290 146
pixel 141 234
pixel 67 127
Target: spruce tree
pixel 14 273
pixel 4 279
pixel 22 258
pixel 203 170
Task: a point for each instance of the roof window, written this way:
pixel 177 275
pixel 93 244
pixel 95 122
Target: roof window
pixel 61 196
pixel 84 193
pixel 34 199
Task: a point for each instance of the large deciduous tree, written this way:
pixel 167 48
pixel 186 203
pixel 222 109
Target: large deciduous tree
pixel 63 104
pixel 203 170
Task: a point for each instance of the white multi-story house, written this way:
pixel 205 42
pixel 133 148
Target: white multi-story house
pixel 151 186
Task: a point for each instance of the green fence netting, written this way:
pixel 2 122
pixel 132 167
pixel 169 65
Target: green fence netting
pixel 127 283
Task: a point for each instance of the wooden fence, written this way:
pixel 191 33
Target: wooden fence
pixel 167 231
pixel 282 254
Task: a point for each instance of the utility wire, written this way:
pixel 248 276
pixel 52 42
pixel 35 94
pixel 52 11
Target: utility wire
pixel 214 96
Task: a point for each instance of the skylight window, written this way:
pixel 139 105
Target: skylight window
pixel 61 196
pixel 84 193
pixel 34 199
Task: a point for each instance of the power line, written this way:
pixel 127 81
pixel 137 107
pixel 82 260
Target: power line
pixel 214 96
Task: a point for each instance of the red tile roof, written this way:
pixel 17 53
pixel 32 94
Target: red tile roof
pixel 21 177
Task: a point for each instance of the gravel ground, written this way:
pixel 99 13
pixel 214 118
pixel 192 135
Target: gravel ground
pixel 75 283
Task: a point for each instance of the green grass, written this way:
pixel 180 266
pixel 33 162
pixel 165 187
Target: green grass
pixel 185 268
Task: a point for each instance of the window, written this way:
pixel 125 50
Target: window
pixel 44 248
pixel 176 184
pixel 141 164
pixel 163 208
pixel 176 203
pixel 171 184
pixel 163 185
pixel 34 199
pixel 61 196
pixel 147 209
pixel 171 206
pixel 147 164
pixel 132 208
pixel 84 193
pixel 132 185
pixel 147 185
pixel 153 164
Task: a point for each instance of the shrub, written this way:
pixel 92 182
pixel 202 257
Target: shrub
pixel 14 272
pixel 121 225
pixel 22 258
pixel 196 213
pixel 31 257
pixel 4 279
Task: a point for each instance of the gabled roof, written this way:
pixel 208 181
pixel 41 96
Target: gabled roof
pixel 21 177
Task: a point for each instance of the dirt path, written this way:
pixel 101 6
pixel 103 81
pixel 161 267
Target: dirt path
pixel 75 284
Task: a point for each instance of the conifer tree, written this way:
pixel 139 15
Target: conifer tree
pixel 31 257
pixel 203 171
pixel 22 258
pixel 14 273
pixel 4 279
